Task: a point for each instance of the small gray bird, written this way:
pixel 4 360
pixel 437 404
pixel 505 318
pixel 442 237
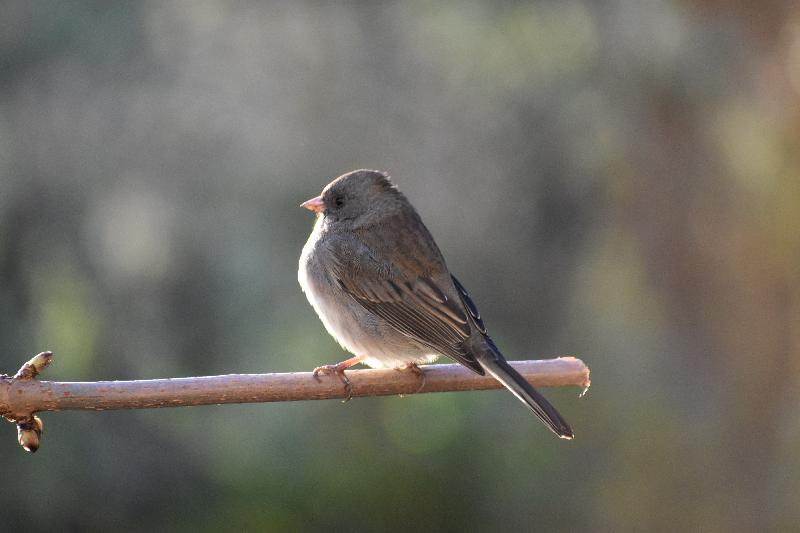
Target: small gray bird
pixel 381 287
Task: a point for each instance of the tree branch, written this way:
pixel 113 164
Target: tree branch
pixel 21 396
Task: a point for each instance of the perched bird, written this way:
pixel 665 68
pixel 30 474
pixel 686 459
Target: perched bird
pixel 381 287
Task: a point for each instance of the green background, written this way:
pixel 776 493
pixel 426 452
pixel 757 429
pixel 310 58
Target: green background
pixel 615 180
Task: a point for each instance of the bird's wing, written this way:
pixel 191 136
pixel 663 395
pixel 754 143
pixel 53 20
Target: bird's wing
pixel 418 306
pixel 470 305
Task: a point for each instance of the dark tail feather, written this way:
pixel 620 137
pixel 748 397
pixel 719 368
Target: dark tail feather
pixel 495 364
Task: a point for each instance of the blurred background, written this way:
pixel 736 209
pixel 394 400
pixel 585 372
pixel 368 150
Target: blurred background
pixel 620 182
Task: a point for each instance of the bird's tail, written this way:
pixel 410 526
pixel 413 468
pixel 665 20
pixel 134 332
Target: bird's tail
pixel 493 362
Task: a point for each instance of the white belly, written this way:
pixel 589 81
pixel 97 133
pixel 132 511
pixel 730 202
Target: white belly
pixel 358 331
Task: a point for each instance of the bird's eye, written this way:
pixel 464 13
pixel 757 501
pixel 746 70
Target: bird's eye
pixel 338 200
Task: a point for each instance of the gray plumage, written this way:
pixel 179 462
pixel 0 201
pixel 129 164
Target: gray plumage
pixel 381 287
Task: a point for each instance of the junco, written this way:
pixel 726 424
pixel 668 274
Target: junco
pixel 381 287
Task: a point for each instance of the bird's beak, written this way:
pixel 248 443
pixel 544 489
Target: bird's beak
pixel 314 204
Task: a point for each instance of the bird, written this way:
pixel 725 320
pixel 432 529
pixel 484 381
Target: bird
pixel 380 285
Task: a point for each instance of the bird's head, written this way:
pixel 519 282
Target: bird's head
pixel 360 197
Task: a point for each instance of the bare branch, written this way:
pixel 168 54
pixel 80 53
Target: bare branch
pixel 21 396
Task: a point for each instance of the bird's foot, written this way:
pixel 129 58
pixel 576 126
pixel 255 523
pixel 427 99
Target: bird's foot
pixel 338 370
pixel 417 371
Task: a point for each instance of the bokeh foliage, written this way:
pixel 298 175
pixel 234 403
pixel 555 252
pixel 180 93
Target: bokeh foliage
pixel 617 180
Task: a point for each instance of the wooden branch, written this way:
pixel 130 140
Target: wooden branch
pixel 21 396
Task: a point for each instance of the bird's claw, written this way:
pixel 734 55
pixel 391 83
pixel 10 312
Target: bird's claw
pixel 338 371
pixel 417 371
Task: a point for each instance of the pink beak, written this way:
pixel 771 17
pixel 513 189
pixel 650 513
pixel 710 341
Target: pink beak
pixel 314 204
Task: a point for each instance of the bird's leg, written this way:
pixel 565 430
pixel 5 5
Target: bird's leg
pixel 417 371
pixel 338 370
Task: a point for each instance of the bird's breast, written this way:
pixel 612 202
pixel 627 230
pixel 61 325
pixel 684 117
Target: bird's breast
pixel 358 330
pixel 336 310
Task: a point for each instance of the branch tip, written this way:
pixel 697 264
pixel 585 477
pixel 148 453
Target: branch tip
pixel 29 433
pixel 29 426
pixel 34 366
